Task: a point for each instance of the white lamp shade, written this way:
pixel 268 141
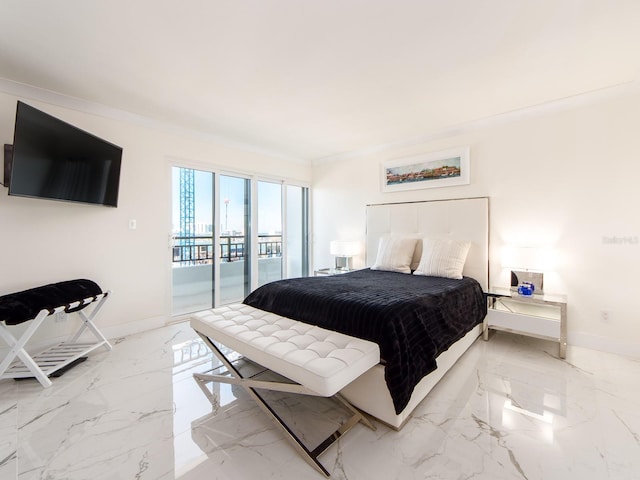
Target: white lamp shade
pixel 539 259
pixel 341 248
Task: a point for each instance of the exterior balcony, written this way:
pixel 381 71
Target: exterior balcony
pixel 192 275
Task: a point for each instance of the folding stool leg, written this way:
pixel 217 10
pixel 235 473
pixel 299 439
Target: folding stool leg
pixel 17 349
pixel 87 322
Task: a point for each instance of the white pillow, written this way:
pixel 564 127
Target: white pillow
pixel 443 258
pixel 395 254
pixel 417 255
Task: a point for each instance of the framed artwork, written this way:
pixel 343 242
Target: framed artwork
pixel 446 168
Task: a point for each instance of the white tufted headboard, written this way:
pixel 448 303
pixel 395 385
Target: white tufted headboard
pixel 460 219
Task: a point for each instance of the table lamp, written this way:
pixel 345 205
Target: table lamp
pixel 343 251
pixel 527 265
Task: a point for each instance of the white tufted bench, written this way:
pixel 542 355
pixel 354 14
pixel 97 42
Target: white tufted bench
pixel 321 361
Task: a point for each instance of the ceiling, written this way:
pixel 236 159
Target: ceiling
pixel 311 79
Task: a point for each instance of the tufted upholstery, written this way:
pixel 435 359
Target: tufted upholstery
pixel 322 360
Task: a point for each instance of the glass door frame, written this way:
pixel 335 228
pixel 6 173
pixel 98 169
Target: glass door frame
pixel 254 223
pixel 306 209
pixel 249 247
pixel 173 165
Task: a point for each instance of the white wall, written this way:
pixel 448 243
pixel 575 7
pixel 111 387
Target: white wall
pixel 566 175
pixel 569 175
pixel 44 241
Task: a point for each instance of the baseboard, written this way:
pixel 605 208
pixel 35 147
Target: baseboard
pixel 578 339
pixel 131 328
pixel 604 344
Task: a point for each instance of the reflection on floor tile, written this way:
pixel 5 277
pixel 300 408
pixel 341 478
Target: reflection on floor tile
pixel 509 409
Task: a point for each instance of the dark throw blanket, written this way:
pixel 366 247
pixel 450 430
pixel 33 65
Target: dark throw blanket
pixel 22 306
pixel 412 318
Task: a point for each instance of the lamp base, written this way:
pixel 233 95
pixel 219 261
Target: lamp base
pixel 343 263
pixel 535 278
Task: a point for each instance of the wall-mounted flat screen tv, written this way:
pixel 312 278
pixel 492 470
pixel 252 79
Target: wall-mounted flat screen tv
pixel 55 160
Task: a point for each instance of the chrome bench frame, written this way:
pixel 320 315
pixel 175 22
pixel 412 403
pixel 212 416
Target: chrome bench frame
pixel 251 385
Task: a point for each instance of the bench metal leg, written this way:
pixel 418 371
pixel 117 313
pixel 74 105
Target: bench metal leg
pixel 251 386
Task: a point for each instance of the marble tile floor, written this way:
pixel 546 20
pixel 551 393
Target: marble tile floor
pixel 509 409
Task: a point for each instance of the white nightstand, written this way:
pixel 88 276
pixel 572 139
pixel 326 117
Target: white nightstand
pixel 541 316
pixel 330 271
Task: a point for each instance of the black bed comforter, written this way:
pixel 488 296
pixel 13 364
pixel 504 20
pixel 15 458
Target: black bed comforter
pixel 412 318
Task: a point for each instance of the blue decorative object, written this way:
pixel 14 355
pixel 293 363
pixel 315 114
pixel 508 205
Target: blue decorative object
pixel 526 288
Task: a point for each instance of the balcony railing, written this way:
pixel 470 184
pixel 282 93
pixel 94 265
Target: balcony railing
pixel 198 250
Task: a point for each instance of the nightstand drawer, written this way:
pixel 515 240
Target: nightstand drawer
pixel 528 324
pixel 523 307
pixel 326 272
pixel 539 315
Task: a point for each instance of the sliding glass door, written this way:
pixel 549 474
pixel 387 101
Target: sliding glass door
pixel 231 234
pixel 234 200
pixel 192 262
pixel 269 232
pixel 297 232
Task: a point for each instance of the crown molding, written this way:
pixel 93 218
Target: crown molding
pixel 26 91
pixel 66 101
pixel 557 105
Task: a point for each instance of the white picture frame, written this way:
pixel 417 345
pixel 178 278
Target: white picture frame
pixel 445 168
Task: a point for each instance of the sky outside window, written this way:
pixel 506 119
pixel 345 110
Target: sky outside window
pixel 231 188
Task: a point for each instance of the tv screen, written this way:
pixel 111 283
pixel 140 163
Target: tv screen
pixel 55 160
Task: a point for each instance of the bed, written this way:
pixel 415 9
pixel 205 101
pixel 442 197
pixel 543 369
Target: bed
pixel 400 320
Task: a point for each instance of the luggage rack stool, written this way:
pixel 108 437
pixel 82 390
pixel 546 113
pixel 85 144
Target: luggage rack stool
pixel 35 306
